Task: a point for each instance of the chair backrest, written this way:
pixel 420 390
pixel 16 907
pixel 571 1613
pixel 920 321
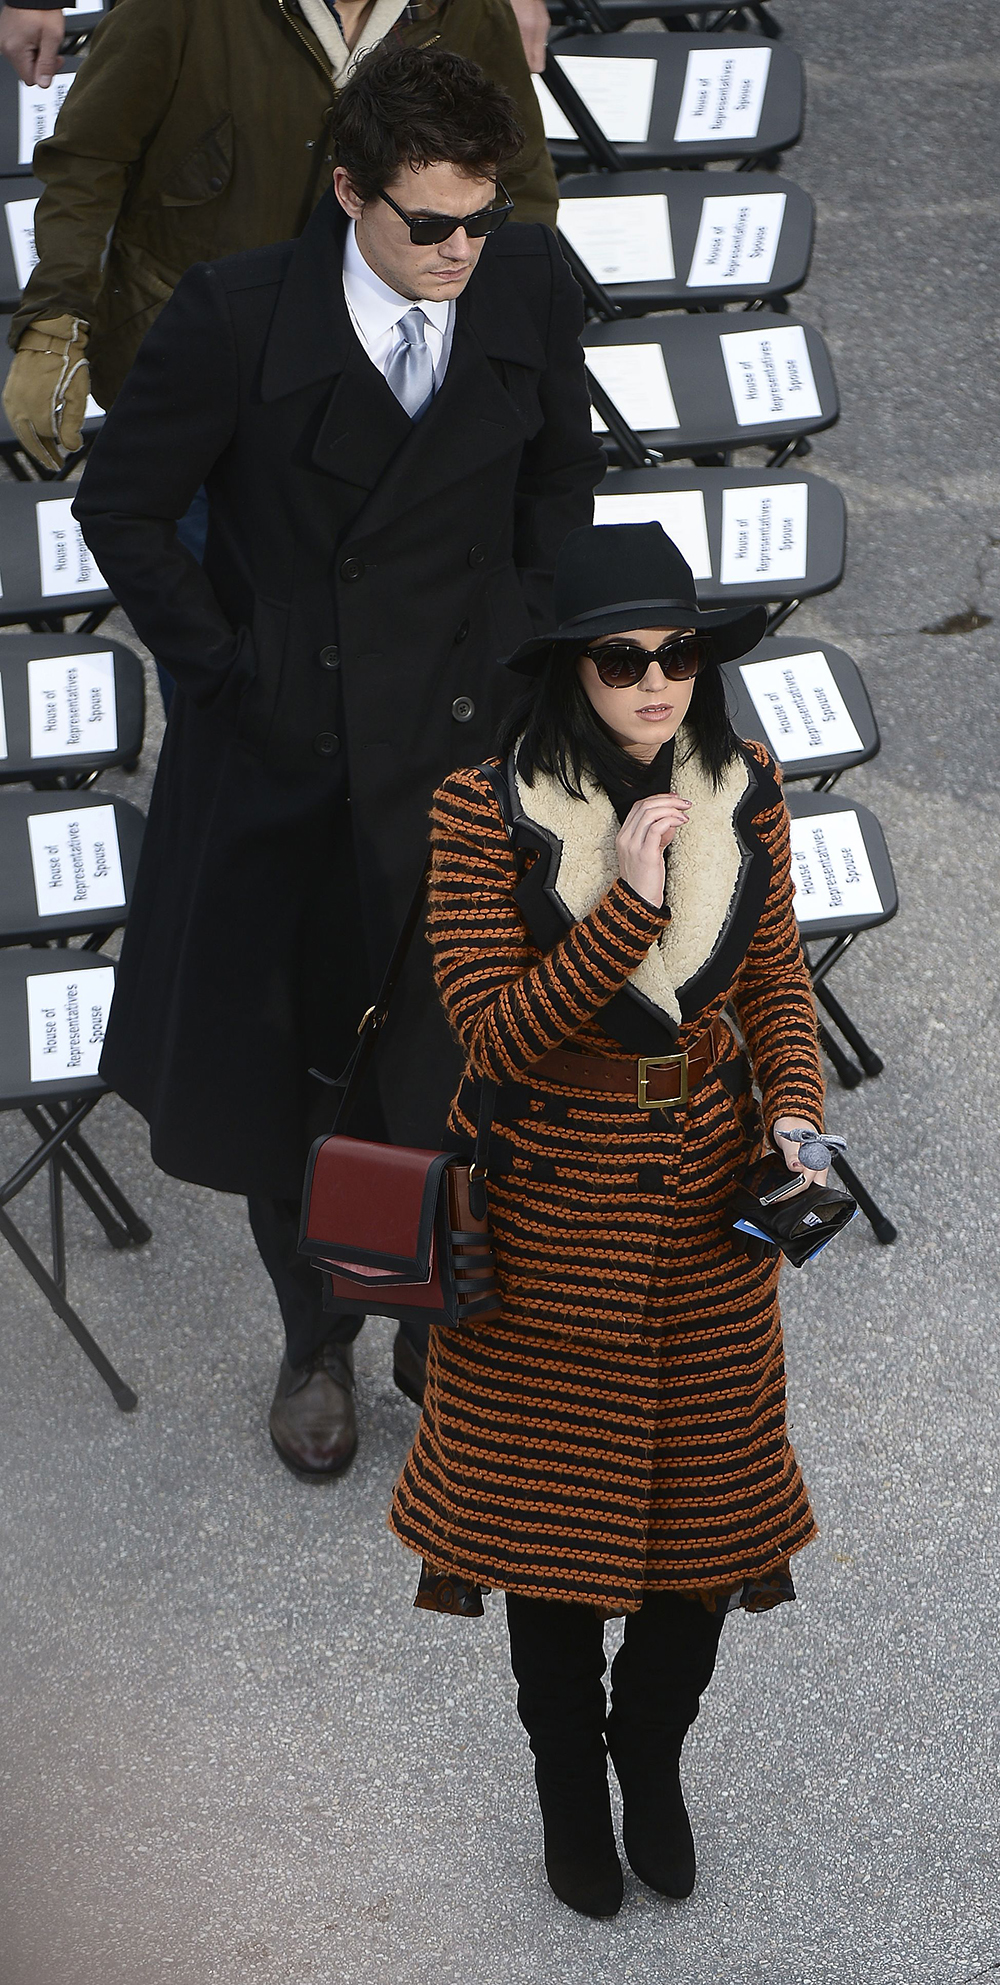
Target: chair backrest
pixel 747 534
pixel 67 864
pixel 18 254
pixel 69 706
pixel 28 113
pixel 806 701
pixel 45 566
pixel 840 866
pixel 54 1008
pixel 673 99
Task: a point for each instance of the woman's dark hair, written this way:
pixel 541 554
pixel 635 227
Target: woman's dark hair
pixel 564 736
pixel 421 106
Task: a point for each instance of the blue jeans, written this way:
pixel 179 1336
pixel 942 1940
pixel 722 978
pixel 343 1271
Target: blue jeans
pixel 192 530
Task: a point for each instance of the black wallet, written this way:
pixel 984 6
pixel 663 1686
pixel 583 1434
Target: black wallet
pixel 769 1207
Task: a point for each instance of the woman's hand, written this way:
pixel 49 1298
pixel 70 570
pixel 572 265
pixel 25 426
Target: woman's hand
pixel 790 1151
pixel 648 828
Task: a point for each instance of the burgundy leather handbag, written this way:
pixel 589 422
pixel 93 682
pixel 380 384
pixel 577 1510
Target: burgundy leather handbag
pixel 401 1233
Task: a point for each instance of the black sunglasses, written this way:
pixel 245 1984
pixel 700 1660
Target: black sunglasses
pixel 428 228
pixel 621 664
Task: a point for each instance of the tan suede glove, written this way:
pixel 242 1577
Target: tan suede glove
pixel 47 386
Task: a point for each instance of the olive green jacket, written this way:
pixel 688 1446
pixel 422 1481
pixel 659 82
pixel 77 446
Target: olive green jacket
pixel 197 128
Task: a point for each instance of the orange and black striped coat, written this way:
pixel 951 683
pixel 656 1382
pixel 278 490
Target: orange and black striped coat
pixel 622 1429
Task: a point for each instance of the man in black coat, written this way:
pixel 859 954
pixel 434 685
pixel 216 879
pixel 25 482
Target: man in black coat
pixel 395 437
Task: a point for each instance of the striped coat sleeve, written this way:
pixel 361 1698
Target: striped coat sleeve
pixel 773 994
pixel 507 1007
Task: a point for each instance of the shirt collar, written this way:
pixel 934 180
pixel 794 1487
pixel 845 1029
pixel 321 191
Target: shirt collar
pixel 377 307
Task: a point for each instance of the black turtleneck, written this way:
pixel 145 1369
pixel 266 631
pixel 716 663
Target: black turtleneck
pixel 639 780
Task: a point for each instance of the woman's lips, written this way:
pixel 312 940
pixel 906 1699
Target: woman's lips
pixel 654 711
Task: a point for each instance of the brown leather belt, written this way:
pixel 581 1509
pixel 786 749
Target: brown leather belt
pixel 651 1082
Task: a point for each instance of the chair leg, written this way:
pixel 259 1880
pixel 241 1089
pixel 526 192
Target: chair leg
pixel 880 1224
pixel 56 1223
pixel 870 1061
pixel 138 1231
pixel 848 1073
pixel 117 1235
pixel 125 1399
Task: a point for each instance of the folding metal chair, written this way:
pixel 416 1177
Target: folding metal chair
pixel 18 461
pixel 46 570
pixel 70 707
pixel 604 16
pixel 747 534
pixel 690 386
pixel 28 113
pixel 80 22
pixel 645 241
pixel 669 100
pixel 67 865
pixel 806 701
pixel 53 1013
pixel 18 255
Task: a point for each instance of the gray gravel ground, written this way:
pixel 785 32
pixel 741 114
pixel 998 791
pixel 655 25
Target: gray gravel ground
pixel 233 1752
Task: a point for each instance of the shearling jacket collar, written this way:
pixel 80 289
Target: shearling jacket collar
pixel 718 877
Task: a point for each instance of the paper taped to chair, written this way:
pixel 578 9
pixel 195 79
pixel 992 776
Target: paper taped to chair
pixel 723 94
pixel 623 238
pixel 636 378
pixel 37 110
pixel 65 563
pixel 76 860
pixel 681 512
pixel 71 704
pixel 800 706
pixel 21 228
pixel 737 239
pixel 765 531
pixel 831 872
pixel 67 1022
pixel 770 375
pixel 616 89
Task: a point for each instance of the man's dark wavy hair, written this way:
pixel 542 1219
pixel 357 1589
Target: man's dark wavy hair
pixel 421 106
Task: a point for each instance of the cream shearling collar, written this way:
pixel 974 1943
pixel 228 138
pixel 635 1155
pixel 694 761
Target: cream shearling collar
pixel 342 59
pixel 708 860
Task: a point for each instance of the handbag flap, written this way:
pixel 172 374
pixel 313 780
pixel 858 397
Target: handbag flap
pixel 371 1208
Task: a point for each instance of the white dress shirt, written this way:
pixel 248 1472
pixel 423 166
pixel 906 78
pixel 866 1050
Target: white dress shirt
pixel 375 311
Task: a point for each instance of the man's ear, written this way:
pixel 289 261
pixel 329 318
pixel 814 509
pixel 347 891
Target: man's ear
pixel 348 198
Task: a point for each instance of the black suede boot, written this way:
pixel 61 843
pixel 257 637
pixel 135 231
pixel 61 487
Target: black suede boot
pixel 665 1664
pixel 557 1654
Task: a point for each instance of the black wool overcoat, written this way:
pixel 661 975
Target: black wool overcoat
pixel 335 657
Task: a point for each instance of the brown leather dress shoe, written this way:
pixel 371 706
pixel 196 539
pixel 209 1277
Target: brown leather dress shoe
pixel 312 1414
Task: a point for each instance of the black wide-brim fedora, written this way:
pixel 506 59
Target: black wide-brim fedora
pixel 611 578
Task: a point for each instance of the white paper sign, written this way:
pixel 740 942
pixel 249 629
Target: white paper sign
pixel 554 124
pixel 617 90
pixel 71 704
pixel 92 411
pixel 3 726
pixel 76 860
pixel 723 94
pixel 681 512
pixel 737 239
pixel 800 706
pixel 37 110
pixel 66 564
pixel 67 1021
pixel 622 239
pixel 636 378
pixel 831 870
pixel 770 375
pixel 21 228
pixel 764 533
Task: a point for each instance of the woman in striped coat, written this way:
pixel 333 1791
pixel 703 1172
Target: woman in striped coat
pixel 616 1443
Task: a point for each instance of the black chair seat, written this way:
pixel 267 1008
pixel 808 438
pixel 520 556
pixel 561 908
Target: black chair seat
pixel 694 505
pixel 67 865
pixel 727 378
pixel 81 21
pixel 713 97
pixel 807 702
pixel 843 875
pixel 734 263
pixel 28 113
pixel 45 567
pixel 69 707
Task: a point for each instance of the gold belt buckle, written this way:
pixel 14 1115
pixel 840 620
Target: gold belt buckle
pixel 643 1098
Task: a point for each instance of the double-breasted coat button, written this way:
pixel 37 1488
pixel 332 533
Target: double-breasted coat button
pixel 326 743
pixel 462 709
pixel 462 632
pixel 477 555
pixel 352 568
pixel 329 658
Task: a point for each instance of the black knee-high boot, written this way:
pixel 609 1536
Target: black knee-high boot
pixel 665 1663
pixel 557 1654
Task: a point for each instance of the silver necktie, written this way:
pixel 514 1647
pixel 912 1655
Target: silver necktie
pixel 410 371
